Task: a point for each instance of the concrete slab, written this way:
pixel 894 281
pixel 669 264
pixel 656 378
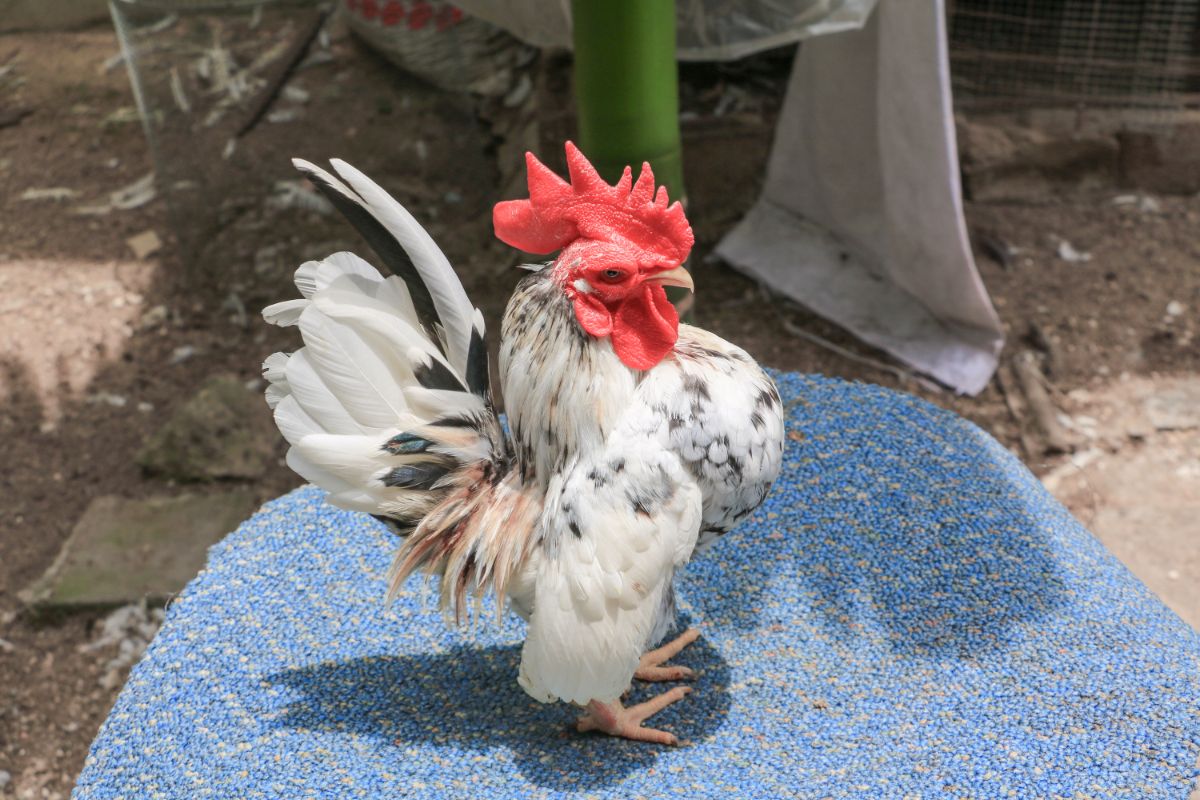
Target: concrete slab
pixel 223 432
pixel 1138 486
pixel 123 550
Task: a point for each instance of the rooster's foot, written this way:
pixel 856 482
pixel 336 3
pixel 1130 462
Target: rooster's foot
pixel 653 665
pixel 616 720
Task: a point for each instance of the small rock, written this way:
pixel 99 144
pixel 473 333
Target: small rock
pixel 111 679
pixel 6 646
pixel 144 244
pixel 1176 408
pixel 1175 308
pixel 1067 252
pixel 181 354
pixel 153 317
pixel 145 407
pixel 295 94
pixel 1144 202
pixel 108 398
pixel 282 115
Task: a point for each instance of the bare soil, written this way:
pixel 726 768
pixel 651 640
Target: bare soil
pixel 79 326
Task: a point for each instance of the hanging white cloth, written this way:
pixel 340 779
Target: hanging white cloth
pixel 861 216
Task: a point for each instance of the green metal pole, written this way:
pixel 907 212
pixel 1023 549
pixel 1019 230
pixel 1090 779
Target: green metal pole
pixel 627 94
pixel 627 88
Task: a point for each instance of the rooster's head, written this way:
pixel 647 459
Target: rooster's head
pixel 620 246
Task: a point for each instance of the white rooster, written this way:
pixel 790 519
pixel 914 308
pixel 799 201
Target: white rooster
pixel 635 440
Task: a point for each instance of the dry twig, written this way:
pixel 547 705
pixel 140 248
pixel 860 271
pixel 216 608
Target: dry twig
pixel 1056 438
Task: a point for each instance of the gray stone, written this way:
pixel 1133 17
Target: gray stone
pixel 1176 408
pixel 223 432
pixel 122 551
pixel 1164 159
pixel 1010 162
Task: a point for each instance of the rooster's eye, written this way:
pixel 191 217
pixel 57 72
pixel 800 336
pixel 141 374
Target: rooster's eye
pixel 613 274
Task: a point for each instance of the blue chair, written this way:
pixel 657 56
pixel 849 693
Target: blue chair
pixel 910 614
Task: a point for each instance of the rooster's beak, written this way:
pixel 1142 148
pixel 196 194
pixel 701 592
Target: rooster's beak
pixel 675 277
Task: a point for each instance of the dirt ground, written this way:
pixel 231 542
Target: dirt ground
pixel 98 346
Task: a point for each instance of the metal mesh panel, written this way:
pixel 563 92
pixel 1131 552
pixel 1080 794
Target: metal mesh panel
pixel 1008 54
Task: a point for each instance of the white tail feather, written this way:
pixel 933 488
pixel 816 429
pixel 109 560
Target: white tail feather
pixel 284 314
pixel 316 398
pixel 351 401
pixel 453 307
pixel 358 460
pixel 356 374
pixel 312 276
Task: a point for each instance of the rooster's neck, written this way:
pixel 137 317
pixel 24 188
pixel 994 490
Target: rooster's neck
pixel 563 389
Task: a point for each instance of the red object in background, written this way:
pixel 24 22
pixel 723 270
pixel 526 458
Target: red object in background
pixel 437 42
pixel 392 14
pixel 419 15
pixel 448 16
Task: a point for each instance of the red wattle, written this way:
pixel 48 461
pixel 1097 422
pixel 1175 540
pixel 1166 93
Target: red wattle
pixel 593 315
pixel 645 327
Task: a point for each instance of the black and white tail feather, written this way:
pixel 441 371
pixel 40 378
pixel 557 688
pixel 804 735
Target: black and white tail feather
pixel 387 406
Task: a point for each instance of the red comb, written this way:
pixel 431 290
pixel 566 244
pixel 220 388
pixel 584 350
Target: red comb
pixel 558 213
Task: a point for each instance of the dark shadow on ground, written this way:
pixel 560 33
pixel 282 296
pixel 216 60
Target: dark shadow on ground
pixel 901 523
pixel 467 700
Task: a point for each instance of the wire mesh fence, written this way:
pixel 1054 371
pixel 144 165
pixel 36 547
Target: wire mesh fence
pixel 1013 54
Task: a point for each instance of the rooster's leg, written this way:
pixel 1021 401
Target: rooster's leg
pixel 653 665
pixel 617 720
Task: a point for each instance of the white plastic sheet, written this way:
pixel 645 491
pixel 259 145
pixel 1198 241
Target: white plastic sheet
pixel 708 30
pixel 861 216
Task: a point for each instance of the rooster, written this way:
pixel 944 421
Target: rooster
pixel 634 441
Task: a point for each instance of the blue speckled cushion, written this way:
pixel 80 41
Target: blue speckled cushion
pixel 909 615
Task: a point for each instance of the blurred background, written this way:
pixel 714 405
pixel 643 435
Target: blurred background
pixel 148 211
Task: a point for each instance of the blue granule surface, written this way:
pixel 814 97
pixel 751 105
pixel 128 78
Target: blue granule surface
pixel 909 615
